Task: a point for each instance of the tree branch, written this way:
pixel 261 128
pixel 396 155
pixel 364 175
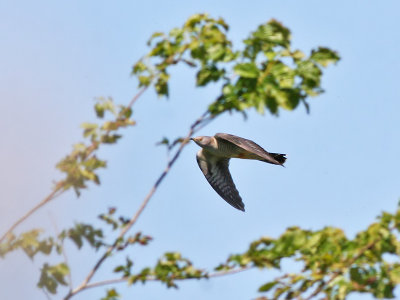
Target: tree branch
pixel 340 272
pixel 60 185
pixel 135 217
pixel 58 190
pixel 124 279
pixel 57 232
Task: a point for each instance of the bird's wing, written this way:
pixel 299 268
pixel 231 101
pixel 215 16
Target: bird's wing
pixel 247 145
pixel 216 171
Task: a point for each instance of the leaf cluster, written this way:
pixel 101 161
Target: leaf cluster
pixel 52 276
pixel 169 268
pixel 266 74
pixel 332 264
pixel 81 164
pixel 29 242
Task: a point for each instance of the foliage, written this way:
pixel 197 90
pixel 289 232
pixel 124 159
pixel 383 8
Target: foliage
pixel 52 276
pixel 266 74
pixel 170 268
pixel 80 165
pixel 331 263
pixel 112 294
pixel 29 242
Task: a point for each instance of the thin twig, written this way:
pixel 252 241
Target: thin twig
pixel 61 184
pixel 46 294
pixel 58 190
pixel 53 221
pixel 205 122
pixel 229 272
pixel 143 205
pixel 137 96
pixel 124 279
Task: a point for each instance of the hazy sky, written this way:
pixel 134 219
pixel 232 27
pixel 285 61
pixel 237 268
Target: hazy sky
pixel 342 167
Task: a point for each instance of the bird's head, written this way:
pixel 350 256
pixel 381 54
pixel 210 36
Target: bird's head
pixel 202 141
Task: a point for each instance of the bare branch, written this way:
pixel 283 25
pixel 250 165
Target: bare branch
pixel 137 96
pixel 229 272
pixel 57 232
pixel 58 190
pixel 135 217
pixel 46 294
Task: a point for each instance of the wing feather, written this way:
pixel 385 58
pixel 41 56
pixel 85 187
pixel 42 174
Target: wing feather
pixel 249 146
pixel 216 171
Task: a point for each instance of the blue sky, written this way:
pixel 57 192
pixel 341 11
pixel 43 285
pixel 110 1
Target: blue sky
pixel 342 167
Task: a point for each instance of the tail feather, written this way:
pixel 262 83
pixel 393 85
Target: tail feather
pixel 280 158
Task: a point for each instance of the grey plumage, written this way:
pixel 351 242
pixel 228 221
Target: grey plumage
pixel 213 160
pixel 216 171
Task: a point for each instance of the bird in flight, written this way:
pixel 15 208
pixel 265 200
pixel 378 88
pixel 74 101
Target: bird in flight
pixel 213 160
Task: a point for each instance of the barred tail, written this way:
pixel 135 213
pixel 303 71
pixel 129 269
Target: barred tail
pixel 280 158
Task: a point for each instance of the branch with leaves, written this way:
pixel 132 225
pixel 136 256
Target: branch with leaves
pixel 330 264
pixel 267 74
pixel 333 266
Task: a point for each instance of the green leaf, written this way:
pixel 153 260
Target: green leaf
pixel 161 88
pixel 84 231
pixel 99 109
pixel 161 85
pixel 52 276
pixel 124 269
pixel 266 287
pixel 110 138
pixel 29 242
pixel 144 80
pixel 297 55
pixel 153 36
pixel 194 20
pixel 395 273
pixel 90 129
pixel 355 275
pixel 268 36
pixel 139 67
pixel 89 125
pixel 279 291
pixel 164 141
pixel 324 56
pixel 208 74
pixel 127 112
pixel 112 294
pixel 216 52
pixel 247 70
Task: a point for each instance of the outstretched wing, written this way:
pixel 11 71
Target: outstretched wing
pixel 216 171
pixel 252 148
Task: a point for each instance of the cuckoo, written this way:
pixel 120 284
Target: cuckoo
pixel 213 160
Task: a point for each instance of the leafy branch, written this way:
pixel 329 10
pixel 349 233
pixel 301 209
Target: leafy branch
pixel 128 279
pixel 332 264
pixel 135 217
pixel 80 165
pixel 267 74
